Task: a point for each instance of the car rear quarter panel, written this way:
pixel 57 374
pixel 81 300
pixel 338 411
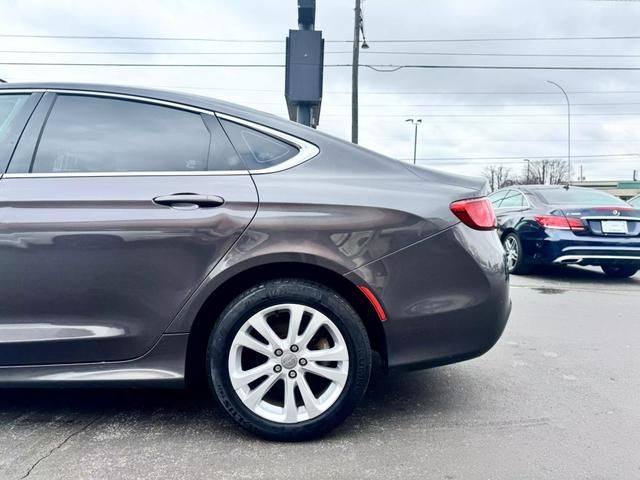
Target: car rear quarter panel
pixel 446 298
pixel 343 209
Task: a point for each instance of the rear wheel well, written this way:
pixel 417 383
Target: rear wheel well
pixel 225 293
pixel 506 232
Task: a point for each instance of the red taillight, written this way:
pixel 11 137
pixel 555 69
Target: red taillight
pixel 476 213
pixel 560 223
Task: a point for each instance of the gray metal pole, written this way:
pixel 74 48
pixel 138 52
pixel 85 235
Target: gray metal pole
pixel 303 114
pixel 354 71
pixel 415 144
pixel 568 126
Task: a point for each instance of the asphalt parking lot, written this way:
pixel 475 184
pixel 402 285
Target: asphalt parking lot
pixel 556 398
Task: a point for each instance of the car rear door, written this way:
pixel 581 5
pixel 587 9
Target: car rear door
pixel 113 210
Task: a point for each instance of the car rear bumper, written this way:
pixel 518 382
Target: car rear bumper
pixel 567 248
pixel 446 297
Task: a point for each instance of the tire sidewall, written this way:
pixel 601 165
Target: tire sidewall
pixel 279 292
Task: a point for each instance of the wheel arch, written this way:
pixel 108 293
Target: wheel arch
pixel 219 298
pixel 506 232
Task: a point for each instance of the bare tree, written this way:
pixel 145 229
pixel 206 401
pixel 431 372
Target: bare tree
pixel 498 176
pixel 546 172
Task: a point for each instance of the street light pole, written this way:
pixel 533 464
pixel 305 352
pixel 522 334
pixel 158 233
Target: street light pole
pixel 415 123
pixel 568 125
pixel 528 169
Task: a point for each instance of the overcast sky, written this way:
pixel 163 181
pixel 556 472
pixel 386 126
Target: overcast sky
pixel 467 114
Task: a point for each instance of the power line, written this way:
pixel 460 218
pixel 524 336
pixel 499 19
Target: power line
pixel 491 115
pixel 506 39
pixel 520 161
pixel 366 52
pixel 414 92
pixel 473 105
pixel 449 92
pixel 131 52
pixel 491 54
pixel 123 37
pixel 248 40
pixel 631 156
pixel 388 68
pixel 463 105
pixel 181 65
pixel 484 139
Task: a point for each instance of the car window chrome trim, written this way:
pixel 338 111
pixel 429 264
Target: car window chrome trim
pixel 306 150
pixel 125 174
pixel 22 90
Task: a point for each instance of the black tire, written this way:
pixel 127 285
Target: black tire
pixel 619 271
pixel 306 293
pixel 520 266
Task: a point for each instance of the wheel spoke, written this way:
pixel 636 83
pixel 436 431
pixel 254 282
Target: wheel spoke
pixel 290 407
pixel 245 340
pixel 309 399
pixel 260 391
pixel 244 377
pixel 295 318
pixel 334 354
pixel 259 323
pixel 332 374
pixel 317 321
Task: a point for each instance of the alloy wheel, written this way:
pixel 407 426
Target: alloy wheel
pixel 512 251
pixel 288 363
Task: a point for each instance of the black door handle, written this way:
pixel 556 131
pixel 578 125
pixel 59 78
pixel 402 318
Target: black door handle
pixel 189 200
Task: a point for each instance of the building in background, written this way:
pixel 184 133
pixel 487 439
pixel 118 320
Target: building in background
pixel 622 189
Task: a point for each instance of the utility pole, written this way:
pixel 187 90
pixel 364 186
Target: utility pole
pixel 568 126
pixel 528 169
pixel 416 122
pixel 357 24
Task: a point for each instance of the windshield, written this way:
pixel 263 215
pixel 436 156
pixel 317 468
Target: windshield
pixel 579 196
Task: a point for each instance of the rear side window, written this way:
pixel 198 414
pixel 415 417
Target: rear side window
pixel 257 149
pixel 496 198
pixel 513 199
pixel 95 134
pixel 10 106
pixel 579 197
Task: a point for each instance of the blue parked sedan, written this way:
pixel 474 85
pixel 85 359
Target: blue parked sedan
pixel 544 224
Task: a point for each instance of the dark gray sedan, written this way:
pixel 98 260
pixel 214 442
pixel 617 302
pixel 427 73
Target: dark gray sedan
pixel 154 238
